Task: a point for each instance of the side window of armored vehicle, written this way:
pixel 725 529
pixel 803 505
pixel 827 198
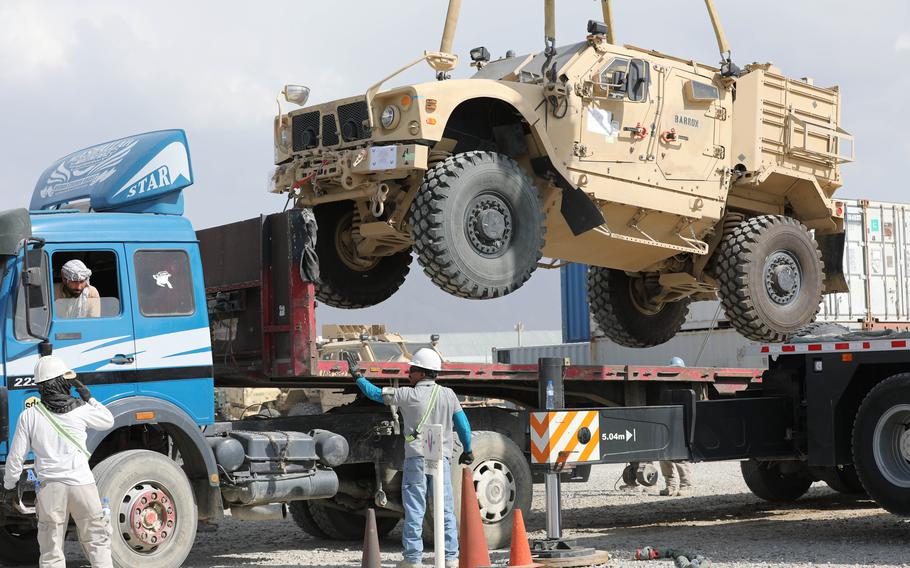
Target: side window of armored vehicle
pixel 86 284
pixel 613 79
pixel 38 302
pixel 164 283
pixel 638 80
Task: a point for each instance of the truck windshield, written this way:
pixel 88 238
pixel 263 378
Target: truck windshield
pixel 386 352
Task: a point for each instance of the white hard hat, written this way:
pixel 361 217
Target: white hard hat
pixel 677 362
pixel 427 358
pixel 50 367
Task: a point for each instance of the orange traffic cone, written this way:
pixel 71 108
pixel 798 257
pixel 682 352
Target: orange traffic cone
pixel 472 542
pixel 520 550
pixel 372 558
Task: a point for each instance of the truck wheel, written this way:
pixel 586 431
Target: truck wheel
pixel 18 546
pixel 478 225
pixel 153 511
pixel 843 480
pixel 624 313
pixel 776 481
pixel 347 280
pixel 303 518
pixel 502 480
pixel 345 525
pixel 771 277
pixel 881 444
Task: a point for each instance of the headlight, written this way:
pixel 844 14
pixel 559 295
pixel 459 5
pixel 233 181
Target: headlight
pixel 389 117
pixel 283 137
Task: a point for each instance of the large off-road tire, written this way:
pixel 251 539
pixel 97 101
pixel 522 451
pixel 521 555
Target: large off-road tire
pixel 881 444
pixel 336 524
pixel 772 481
pixel 18 546
pixel 159 486
pixel 771 277
pixel 502 480
pixel 347 280
pixel 624 314
pixel 478 225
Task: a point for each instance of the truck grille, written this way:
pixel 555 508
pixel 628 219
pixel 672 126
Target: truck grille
pixel 329 130
pixel 351 117
pixel 305 131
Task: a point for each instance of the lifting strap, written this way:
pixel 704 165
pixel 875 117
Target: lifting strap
pixel 61 430
pixel 434 396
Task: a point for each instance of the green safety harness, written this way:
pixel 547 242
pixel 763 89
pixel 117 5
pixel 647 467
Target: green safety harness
pixel 61 430
pixel 434 396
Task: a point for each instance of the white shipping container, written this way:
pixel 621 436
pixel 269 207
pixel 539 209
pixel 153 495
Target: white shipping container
pixel 705 348
pixel 577 353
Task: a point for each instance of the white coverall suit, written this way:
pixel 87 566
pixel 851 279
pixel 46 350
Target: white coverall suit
pixel 66 484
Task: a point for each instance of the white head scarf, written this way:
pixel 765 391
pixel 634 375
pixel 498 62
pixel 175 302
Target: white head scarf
pixel 76 271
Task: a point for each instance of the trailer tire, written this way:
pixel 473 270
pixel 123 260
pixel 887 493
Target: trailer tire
pixel 345 525
pixel 767 481
pixel 303 518
pixel 843 480
pixel 18 547
pixel 346 280
pixel 771 277
pixel 478 225
pixel 626 319
pixel 881 444
pixel 502 480
pixel 135 474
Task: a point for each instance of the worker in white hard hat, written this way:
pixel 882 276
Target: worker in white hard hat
pixel 54 429
pixel 74 296
pixel 421 404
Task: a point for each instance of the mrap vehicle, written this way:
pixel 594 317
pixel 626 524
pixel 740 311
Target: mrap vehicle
pixel 234 306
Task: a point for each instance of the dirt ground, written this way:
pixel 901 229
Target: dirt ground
pixel 722 521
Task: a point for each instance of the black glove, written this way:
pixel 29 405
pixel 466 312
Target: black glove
pixel 466 458
pixel 9 496
pixel 83 391
pixel 352 365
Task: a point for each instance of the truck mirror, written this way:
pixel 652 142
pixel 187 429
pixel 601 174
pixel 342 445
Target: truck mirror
pixel 34 290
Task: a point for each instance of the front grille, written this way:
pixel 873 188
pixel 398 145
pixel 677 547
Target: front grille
pixel 305 131
pixel 352 118
pixel 329 130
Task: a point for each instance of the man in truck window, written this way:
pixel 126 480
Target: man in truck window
pixel 422 404
pixel 54 429
pixel 75 297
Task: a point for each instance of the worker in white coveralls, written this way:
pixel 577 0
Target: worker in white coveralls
pixel 54 429
pixel 74 296
pixel 422 404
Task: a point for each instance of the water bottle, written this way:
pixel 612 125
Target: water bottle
pixel 551 395
pixel 106 509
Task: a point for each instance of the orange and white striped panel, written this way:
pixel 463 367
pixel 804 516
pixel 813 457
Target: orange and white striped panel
pixel 554 437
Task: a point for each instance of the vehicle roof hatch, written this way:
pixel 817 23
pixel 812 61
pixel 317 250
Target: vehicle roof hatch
pixel 146 173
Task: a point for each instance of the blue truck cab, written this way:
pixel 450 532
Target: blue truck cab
pixel 141 344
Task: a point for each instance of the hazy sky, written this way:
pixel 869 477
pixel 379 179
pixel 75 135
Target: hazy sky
pixel 79 73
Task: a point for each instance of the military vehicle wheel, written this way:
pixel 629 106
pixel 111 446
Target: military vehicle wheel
pixel 624 312
pixel 347 280
pixel 771 277
pixel 18 545
pixel 881 444
pixel 478 225
pixel 776 481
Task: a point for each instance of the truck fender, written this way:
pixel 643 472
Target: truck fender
pixel 175 422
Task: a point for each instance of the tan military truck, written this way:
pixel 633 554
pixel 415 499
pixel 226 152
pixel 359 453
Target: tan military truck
pixel 674 180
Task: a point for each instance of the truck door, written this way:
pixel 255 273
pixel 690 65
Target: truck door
pixel 618 113
pixel 688 127
pixel 173 345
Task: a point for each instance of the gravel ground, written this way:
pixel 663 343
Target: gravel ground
pixel 722 521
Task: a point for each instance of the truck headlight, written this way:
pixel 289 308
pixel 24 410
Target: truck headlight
pixel 283 137
pixel 389 117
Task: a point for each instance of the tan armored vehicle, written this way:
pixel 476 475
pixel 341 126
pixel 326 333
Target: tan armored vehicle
pixel 675 181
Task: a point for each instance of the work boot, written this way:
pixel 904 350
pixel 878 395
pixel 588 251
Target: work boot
pixel 453 563
pixel 685 491
pixel 409 564
pixel 670 492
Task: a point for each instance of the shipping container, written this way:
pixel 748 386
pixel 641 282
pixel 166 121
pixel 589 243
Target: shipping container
pixel 576 320
pixel 577 353
pixel 876 266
